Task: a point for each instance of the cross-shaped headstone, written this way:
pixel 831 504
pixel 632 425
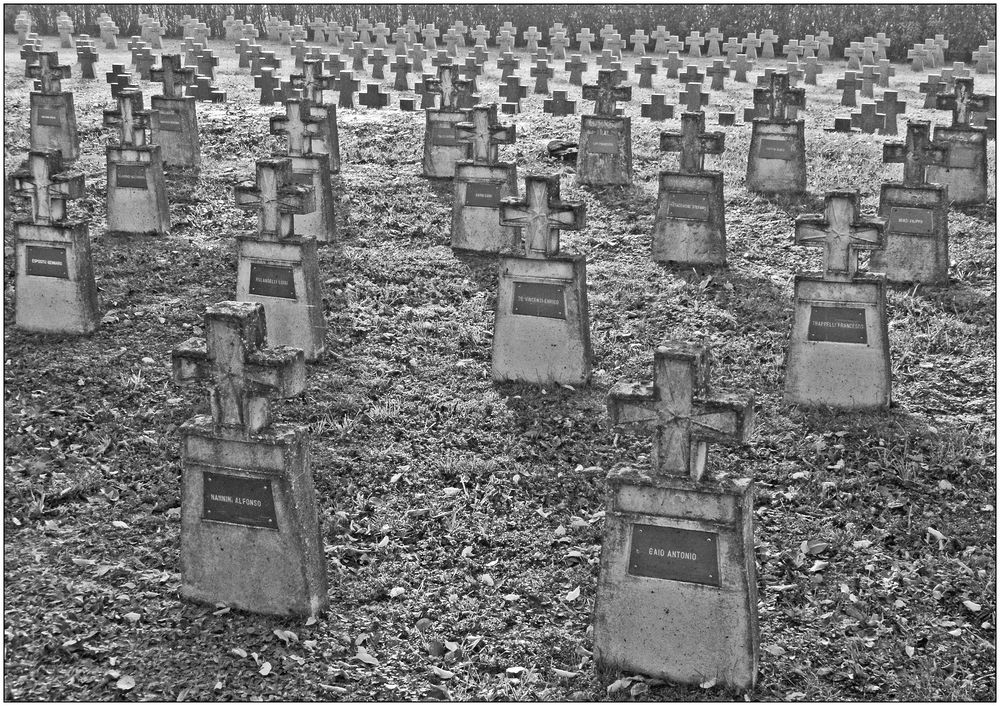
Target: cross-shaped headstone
pixel 731 48
pixel 576 66
pixel 691 74
pixel 130 119
pixel 672 63
pixel 812 68
pixel 481 35
pixel 646 69
pixel 449 86
pixel 381 34
pixel 412 29
pixel 417 56
pixel 681 410
pixel 931 88
pixel 507 65
pixel 541 215
pixel 451 41
pixel 869 75
pixel 485 134
pixel 378 60
pixel 346 85
pixel 334 64
pixel 559 104
pixel 430 34
pixel 373 97
pixel 869 120
pixel 584 37
pixel 840 233
pixel 48 72
pixel 364 26
pixel 87 56
pixel 885 70
pixel 298 125
pixel 531 37
pixel 883 43
pixel 849 84
pixel 768 38
pixel 639 40
pixel 853 55
pixel 673 43
pixel 930 58
pixel 693 142
pixel 399 38
pixel 984 59
pixel 751 44
pixel 694 42
pixel 555 29
pixel 244 374
pixel 792 50
pixel 462 30
pixel 890 107
pixel 173 75
pixel 505 42
pixel 119 79
pixel 809 45
pixel 714 36
pixel 605 93
pixel 659 36
pixel 692 97
pixel 741 68
pixel 778 97
pixel 940 44
pixel 30 52
pixel 276 198
pixel 542 72
pixel 916 154
pixel 509 28
pixel 868 49
pixel 825 44
pixel 657 109
pixel 401 68
pixel 962 102
pixel 718 72
pixel 43 179
pixel 558 44
pixel 470 70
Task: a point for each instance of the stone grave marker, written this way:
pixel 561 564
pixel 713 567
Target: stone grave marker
pixel 940 44
pixel 558 44
pixel 267 82
pixel 659 36
pixel 417 56
pixel 930 59
pixel 87 56
pixel 531 37
pixel 584 37
pixel 825 44
pixel 378 61
pixel 507 65
pixel 462 30
pixel 64 26
pixel 30 50
pixel 916 55
pixel 838 352
pixel 559 105
pixel 576 67
pixel 718 71
pixel 470 71
pixel 657 109
pixel 868 120
pixel 381 34
pixel 401 69
pixel 54 281
pixel 965 173
pixel 986 60
pixel 430 34
pixel 109 34
pixel 849 85
pixel 713 36
pixel 442 149
pixel 174 116
pixel 794 73
pixel 451 42
pixel 741 68
pixel 768 39
pixel 809 47
pixel 639 40
pixel 792 50
pixel 777 160
pixel 605 155
pixel 646 69
pixel 672 64
pixel 312 82
pixel 812 68
pixel 250 531
pixel 52 116
pixel 542 326
pixel 481 183
pixel 694 42
pixel 731 48
pixel 303 129
pixel 373 97
pixel 853 55
pixel 399 38
pixel 505 42
pixel 137 192
pixel 931 88
pixel 869 75
pixel 890 107
pixel 692 97
pixel 690 223
pixel 119 80
pixel 751 43
pixel 883 43
pixel 677 589
pixel 915 212
pixel 22 25
pixel 275 266
pixel 868 48
pixel 542 72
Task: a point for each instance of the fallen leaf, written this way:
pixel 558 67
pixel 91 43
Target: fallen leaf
pixel 909 650
pixel 972 605
pixel 397 591
pixel 639 688
pixel 514 672
pixel 573 595
pixel 619 684
pixel 119 524
pixel 487 579
pixel 132 617
pixel 775 650
pixel 818 566
pixel 363 656
pixel 563 674
pixel 239 652
pixel 311 620
pixel 125 683
pixel 945 485
pixel 707 684
pixel 814 547
pixel 265 669
pixel 442 673
pixel 862 544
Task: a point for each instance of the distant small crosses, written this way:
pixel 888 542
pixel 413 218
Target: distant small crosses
pixel 714 36
pixel 119 79
pixel 718 72
pixel 451 42
pixel 558 104
pixel 751 43
pixel 916 154
pixel 381 33
pixel 505 42
pixel 930 88
pixel 869 120
pixel 172 75
pixel 605 93
pixel 779 98
pixel 890 107
pixel 276 198
pixel 985 59
pixel 885 70
pixel 657 109
pixel 962 102
pixel 694 42
pixel 849 85
pixel 692 97
pixel 373 97
pixel 461 30
pixel 768 38
pixel 646 69
pixel 672 63
pixel 809 46
pixel 576 66
pixel 401 67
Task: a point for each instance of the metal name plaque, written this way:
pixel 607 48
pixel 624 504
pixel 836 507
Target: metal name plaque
pixel 46 262
pixel 49 116
pixel 272 281
pixel 537 299
pixel 693 207
pixel 775 148
pixel 837 324
pixel 238 500
pixel 169 121
pixel 915 221
pixel 302 178
pixel 130 176
pixel 485 195
pixel 444 136
pixel 962 156
pixel 603 143
pixel 674 554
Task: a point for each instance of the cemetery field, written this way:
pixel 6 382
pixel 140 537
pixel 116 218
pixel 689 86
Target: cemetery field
pixel 462 519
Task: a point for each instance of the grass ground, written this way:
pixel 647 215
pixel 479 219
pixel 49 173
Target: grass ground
pixel 460 517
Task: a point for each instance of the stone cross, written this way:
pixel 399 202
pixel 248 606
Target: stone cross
pixel 931 88
pixel 809 45
pixel 672 63
pixel 507 65
pixel 868 49
pixel 673 43
pixel 693 142
pixel 558 44
pixel 442 59
pixel 298 125
pixel 48 72
pixel 916 154
pixel 401 68
pixel 825 44
pixel 470 70
pixel 718 71
pixel 962 103
pixel 731 48
pixel 312 81
pixel 576 66
pixel 778 97
pixel 691 74
pixel 792 49
pixel 768 37
pixel 172 75
pixel 657 108
pixel 449 86
pixel 462 30
pixel 373 97
pixel 940 44
pixel 43 180
pixel 451 41
pixel 542 72
pixel 883 43
pixel 984 58
pixel 378 61
pixel 639 40
pixel 681 410
pixel 890 106
pixel 606 93
pixel 276 198
pixel 399 38
pixel 869 75
pixel 364 26
pixel 559 104
pixel 849 84
pixel 130 119
pixel 509 29
pixel 531 37
pixel 659 35
pixel 714 36
pixel 840 233
pixel 885 70
pixel 346 85
pixel 812 68
pixel 481 35
pixel 541 215
pixel 244 373
pixel 87 56
pixel 692 97
pixel 505 42
pixel 869 119
pixel 412 28
pixel 694 42
pixel 381 33
pixel 417 56
pixel 853 55
pixel 930 59
pixel 584 37
pixel 751 43
pixel 646 68
pixel 430 34
pixel 485 134
pixel 741 68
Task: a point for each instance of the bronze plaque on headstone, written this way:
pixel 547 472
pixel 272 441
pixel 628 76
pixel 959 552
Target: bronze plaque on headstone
pixel 302 178
pixel 775 148
pixel 49 116
pixel 916 221
pixel 961 156
pixel 169 120
pixel 238 500
pixel 486 195
pixel 837 324
pixel 691 556
pixel 603 143
pixel 130 176
pixel 46 261
pixel 538 299
pixel 444 136
pixel 685 204
pixel 271 281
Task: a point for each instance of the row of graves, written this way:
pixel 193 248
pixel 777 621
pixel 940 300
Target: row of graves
pixel 676 596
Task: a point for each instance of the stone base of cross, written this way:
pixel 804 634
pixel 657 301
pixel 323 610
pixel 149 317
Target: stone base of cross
pixel 137 191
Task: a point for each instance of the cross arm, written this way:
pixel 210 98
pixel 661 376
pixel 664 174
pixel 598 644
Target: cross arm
pixel 277 372
pixel 190 361
pixel 632 403
pixel 725 418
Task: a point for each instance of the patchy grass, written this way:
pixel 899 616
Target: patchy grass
pixel 460 517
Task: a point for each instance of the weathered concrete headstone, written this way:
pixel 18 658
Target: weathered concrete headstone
pixel 605 155
pixel 481 183
pixel 692 97
pixel 250 531
pixel 849 84
pixel 584 37
pixel 64 25
pixel 137 192
pixel 87 56
pixel 22 25
pixel 741 67
pixel 869 120
pixel 768 38
pixel 869 75
pixel 751 43
pixel 657 108
pixel 312 82
pixel 917 55
pixel 777 160
pixel 52 117
pixel 690 223
pixel 542 326
pixel 559 105
pixel 646 70
pixel 373 97
pixel 275 266
pixel 890 106
pixel 442 149
pixel 174 116
pixel 838 352
pixel 713 36
pixel 965 173
pixel 915 212
pixel 54 278
pixel 694 42
pixel 718 71
pixel 542 72
pixel 885 72
pixel 677 590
